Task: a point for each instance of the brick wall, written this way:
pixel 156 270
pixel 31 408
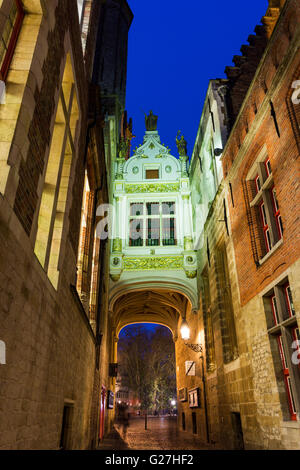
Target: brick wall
pixel 254 133
pixel 283 153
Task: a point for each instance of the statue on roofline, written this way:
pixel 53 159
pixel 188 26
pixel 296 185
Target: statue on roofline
pixel 181 145
pixel 151 122
pixel 123 148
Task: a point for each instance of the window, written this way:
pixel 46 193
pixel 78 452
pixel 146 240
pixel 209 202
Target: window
pixel 225 305
pixel 97 258
pixel 152 224
pixel 276 212
pixel 80 9
pixel 266 205
pixel 10 33
pixel 284 335
pixel 26 174
pixel 257 183
pixel 265 226
pixel 56 183
pixel 268 167
pixel 208 322
pixel 83 255
pixel 152 174
pixel 87 275
pixel 213 167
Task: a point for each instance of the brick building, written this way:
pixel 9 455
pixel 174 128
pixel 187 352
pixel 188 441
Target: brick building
pixel 52 264
pixel 261 164
pixel 248 244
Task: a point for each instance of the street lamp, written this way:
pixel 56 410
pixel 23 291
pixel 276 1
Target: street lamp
pixel 173 402
pixel 185 329
pixel 185 335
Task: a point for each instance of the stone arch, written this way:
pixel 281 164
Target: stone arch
pixel 169 285
pixel 128 324
pixel 150 306
pixel 150 301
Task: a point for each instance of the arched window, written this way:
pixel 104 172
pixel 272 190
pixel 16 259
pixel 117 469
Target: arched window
pixel 56 183
pixel 12 15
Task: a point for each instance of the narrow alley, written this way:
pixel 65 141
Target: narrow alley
pixel 141 275
pixel 162 434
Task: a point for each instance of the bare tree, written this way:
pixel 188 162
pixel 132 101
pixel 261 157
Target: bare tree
pixel 147 361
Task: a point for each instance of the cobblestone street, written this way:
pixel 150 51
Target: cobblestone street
pixel 162 434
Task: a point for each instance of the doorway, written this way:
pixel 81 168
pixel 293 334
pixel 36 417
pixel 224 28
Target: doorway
pixel 66 427
pixel 237 431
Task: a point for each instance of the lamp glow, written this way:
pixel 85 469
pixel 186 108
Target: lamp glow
pixel 185 330
pixel 173 402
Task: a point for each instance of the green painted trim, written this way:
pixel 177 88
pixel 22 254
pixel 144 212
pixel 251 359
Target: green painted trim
pixel 191 274
pixel 153 262
pixel 152 188
pixel 117 245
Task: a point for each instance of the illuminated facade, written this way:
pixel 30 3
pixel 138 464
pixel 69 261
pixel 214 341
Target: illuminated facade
pixel 153 216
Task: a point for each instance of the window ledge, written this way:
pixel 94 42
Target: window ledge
pixel 291 424
pixel 275 247
pixel 235 364
pixel 2 92
pixel 211 374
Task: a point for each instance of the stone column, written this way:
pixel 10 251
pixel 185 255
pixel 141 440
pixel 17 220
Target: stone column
pixel 188 236
pixel 183 161
pixel 117 241
pixel 120 167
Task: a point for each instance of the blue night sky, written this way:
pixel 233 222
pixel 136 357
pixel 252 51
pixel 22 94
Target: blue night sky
pixel 174 49
pixel 148 326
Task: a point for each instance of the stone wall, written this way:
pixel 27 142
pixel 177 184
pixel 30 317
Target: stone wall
pixel 52 352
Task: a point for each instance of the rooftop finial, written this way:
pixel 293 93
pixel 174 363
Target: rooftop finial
pixel 151 122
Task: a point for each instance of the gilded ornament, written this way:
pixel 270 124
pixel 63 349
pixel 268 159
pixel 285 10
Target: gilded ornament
pixel 181 144
pixel 117 244
pixel 191 274
pixel 151 188
pixel 188 243
pixel 143 263
pixel 123 148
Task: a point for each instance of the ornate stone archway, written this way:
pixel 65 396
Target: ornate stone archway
pixel 150 306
